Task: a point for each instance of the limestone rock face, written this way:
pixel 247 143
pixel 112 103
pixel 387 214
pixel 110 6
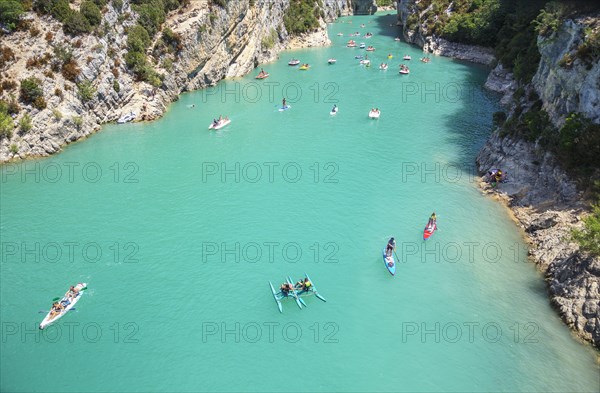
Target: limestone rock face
pixel 566 88
pixel 216 43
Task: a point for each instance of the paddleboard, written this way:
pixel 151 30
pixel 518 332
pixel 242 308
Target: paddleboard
pixel 390 263
pixel 285 108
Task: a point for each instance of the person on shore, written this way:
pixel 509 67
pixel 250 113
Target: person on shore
pixel 391 247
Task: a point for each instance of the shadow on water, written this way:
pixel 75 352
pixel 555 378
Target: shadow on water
pixel 387 24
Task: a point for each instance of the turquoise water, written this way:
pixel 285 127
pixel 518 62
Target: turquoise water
pixel 177 230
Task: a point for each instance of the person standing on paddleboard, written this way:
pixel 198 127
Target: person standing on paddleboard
pixel 391 246
pixel 283 105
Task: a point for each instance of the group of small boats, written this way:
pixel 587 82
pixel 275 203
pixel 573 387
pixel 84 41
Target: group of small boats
pixel 303 288
pixel 388 256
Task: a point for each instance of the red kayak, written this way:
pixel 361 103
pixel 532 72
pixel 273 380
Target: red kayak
pixel 428 231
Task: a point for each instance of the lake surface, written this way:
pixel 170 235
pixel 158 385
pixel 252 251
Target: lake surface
pixel 177 231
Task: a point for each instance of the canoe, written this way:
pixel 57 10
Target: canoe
pixel 428 231
pixel 219 125
pixel 390 263
pixel 49 320
pixel 263 76
pixel 284 108
pixel 277 299
pixel 374 114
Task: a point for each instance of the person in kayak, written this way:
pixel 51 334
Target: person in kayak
pixel 72 293
pixel 56 309
pixel 432 220
pixel 391 247
pixel 334 109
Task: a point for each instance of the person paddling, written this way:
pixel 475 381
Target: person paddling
pixel 432 220
pixel 283 103
pixel 391 246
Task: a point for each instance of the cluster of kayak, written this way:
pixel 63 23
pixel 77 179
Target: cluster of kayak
pixel 390 249
pixel 304 287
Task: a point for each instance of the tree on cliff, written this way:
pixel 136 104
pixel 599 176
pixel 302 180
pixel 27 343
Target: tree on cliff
pixel 589 237
pixel 10 13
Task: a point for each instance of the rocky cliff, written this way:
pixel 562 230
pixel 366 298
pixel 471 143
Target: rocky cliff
pixel 546 202
pixel 216 43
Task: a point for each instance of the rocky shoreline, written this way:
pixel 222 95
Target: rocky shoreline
pixel 215 44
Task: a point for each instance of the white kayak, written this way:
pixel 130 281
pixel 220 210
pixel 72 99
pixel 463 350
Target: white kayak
pixel 219 125
pixel 365 62
pixel 374 114
pixel 383 67
pixel 71 303
pixel 334 112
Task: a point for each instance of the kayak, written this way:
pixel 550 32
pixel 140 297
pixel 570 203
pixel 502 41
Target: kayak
pixel 407 57
pixel 390 263
pixel 284 108
pixel 334 112
pixel 365 62
pixel 428 231
pixel 331 61
pixel 219 125
pixel 374 114
pixel 51 319
pixel 263 76
pixel 277 299
pixel 404 71
pixel 390 56
pixel 383 67
pixel 362 45
pixel 294 62
pixel 304 67
pixel 370 49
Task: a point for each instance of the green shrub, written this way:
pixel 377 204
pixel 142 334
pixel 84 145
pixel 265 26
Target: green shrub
pixel 76 24
pixel 151 16
pixel 77 121
pixel 10 13
pixel 117 5
pixel 57 114
pixel 25 124
pixel 137 39
pixel 116 86
pixel 549 19
pixel 579 144
pixel 60 10
pixel 220 3
pixel 91 12
pixel 86 91
pixel 589 237
pixel 6 125
pixel 269 41
pixel 14 149
pixel 172 40
pixel 301 16
pixel 30 90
